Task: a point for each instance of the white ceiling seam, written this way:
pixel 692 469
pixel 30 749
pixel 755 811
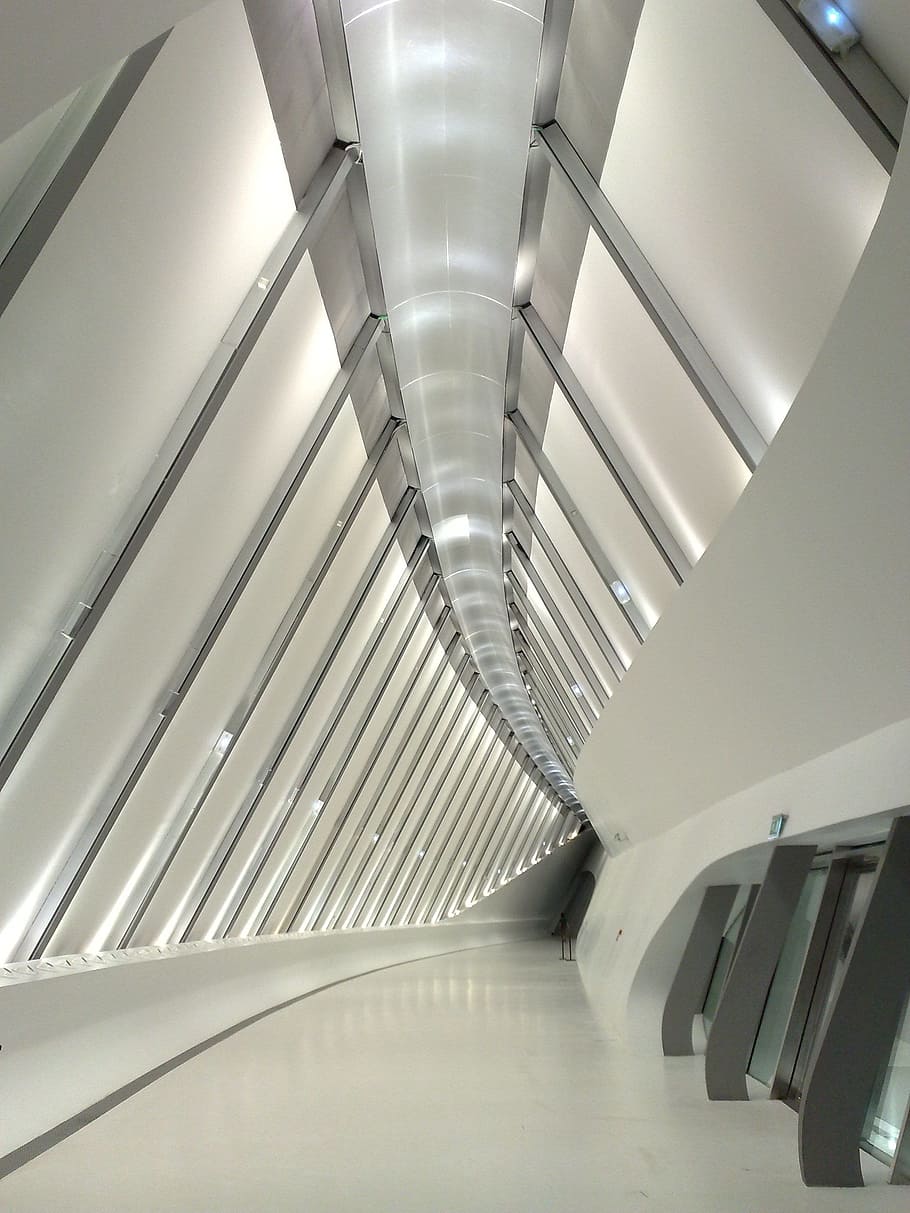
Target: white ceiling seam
pixel 445 145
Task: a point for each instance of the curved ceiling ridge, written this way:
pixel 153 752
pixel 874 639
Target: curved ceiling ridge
pixel 450 96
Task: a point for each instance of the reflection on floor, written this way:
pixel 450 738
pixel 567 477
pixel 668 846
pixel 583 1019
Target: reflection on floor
pixel 478 1081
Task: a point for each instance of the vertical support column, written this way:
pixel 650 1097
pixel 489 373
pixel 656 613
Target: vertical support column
pixel 690 985
pixel 752 971
pixel 861 1027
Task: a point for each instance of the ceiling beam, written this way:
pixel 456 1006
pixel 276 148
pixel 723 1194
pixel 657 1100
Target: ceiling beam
pixel 654 297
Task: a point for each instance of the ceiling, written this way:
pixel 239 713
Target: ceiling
pixel 341 488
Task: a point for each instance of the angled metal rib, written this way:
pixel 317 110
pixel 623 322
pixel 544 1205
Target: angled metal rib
pixel 447 820
pixel 533 630
pixel 530 571
pixel 395 820
pixel 322 915
pixel 308 693
pixel 402 647
pixel 583 533
pixel 501 805
pixel 649 517
pixel 569 706
pixel 654 298
pixel 568 582
pixel 93 133
pixel 854 82
pixel 391 898
pixel 195 421
pixel 82 855
pixel 258 862
pixel 432 904
pixel 543 658
pixel 289 919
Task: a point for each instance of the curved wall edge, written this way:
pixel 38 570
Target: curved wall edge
pixel 71 1039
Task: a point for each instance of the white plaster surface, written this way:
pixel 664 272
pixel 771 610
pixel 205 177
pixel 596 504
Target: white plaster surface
pixel 476 1081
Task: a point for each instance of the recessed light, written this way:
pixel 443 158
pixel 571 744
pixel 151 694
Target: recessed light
pixel 620 592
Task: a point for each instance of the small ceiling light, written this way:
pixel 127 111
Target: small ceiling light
pixel 318 806
pixel 576 690
pixel 570 741
pixel 620 592
pixel 263 283
pixel 376 838
pixel 420 854
pixel 221 745
pixel 830 24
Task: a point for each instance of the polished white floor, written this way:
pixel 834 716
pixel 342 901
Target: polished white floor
pixel 477 1081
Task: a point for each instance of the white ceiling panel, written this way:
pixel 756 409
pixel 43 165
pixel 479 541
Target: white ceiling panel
pixel 662 425
pixel 745 188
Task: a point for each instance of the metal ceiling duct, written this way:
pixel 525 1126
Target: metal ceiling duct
pixel 444 92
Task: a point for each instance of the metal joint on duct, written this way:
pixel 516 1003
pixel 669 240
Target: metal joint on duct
pixel 445 144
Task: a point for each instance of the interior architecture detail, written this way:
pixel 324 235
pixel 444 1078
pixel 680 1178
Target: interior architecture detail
pixel 454 495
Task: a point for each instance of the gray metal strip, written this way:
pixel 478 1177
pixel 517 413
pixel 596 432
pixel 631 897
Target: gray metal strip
pixel 506 839
pixel 41 930
pixel 752 971
pixel 655 299
pixel 574 701
pixel 75 168
pixel 532 626
pixel 230 360
pixel 332 43
pixel 366 241
pixel 289 922
pixel 566 579
pixel 540 660
pixel 424 734
pixel 534 577
pixel 583 533
pixel 568 705
pixel 487 823
pixel 568 583
pixel 357 899
pixel 450 817
pixel 325 918
pixel 269 843
pixel 687 994
pixel 550 721
pixel 388 674
pixel 509 854
pixel 557 17
pixel 314 683
pixel 855 83
pixel 606 446
pixel 467 718
pixel 435 902
pixel 860 1028
pixel 310 690
pixel 557 728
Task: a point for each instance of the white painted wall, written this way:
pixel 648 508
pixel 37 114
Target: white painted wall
pixel 50 47
pixel 777 682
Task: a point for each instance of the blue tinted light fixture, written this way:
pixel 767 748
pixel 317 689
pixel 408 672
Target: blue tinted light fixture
pixel 830 24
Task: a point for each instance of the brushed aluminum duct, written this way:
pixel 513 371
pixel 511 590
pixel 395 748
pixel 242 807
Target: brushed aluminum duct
pixel 444 92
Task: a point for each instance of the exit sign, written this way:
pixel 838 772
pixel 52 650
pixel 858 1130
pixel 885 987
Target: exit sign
pixel 777 825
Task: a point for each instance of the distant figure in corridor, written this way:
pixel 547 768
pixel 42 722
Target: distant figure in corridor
pixel 565 939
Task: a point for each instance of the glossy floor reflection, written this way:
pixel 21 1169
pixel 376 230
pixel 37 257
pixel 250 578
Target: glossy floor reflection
pixel 477 1081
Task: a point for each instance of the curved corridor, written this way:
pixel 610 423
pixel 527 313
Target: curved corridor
pixel 474 1081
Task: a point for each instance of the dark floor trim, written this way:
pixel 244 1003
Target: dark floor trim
pixel 52 1137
